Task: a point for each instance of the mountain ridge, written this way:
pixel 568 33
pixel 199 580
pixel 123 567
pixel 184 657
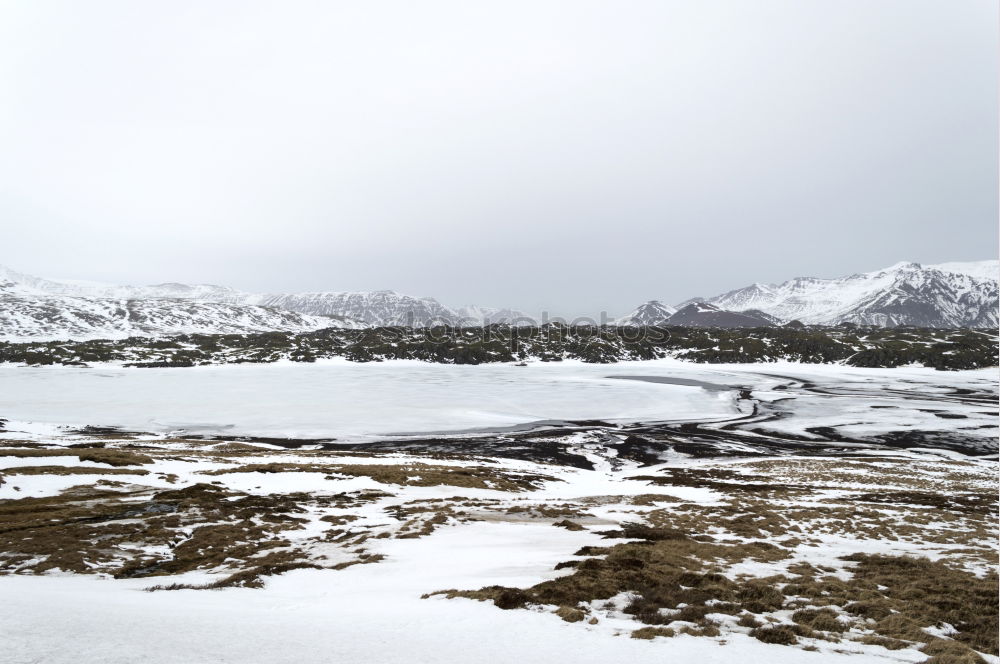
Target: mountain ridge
pixel 34 307
pixel 952 294
pixel 941 295
pixel 906 293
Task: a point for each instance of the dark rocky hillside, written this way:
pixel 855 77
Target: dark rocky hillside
pixel 699 314
pixel 851 345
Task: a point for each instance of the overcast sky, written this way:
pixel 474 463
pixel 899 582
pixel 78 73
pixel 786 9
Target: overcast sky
pixel 571 156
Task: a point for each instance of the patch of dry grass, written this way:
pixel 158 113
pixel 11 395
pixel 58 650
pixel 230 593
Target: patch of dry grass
pixel 412 474
pixel 943 651
pixel 70 470
pixel 92 529
pixel 652 632
pixel 112 457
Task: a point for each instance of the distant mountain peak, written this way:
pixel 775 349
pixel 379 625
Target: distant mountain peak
pixel 704 314
pixel 906 293
pixel 693 314
pixel 903 265
pixel 653 312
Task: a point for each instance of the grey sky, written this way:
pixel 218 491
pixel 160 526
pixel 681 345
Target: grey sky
pixel 572 156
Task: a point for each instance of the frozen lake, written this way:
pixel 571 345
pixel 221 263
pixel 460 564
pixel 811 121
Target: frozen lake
pixel 350 400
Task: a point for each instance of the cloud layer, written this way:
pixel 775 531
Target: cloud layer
pixel 569 156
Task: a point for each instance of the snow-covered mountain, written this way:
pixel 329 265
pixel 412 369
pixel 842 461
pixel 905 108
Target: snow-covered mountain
pixel 943 295
pixel 30 315
pixel 90 289
pixel 32 308
pixel 36 308
pixel 384 307
pixel 653 312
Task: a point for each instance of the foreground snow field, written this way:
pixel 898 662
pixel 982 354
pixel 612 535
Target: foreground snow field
pixel 756 512
pixel 370 613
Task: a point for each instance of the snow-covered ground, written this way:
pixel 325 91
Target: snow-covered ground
pixel 482 535
pixel 368 614
pixel 375 613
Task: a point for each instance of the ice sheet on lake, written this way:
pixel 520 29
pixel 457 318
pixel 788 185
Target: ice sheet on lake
pixel 345 400
pixel 352 401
